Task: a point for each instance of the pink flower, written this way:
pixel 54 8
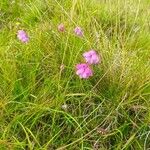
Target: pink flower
pixel 22 36
pixel 83 71
pixel 61 27
pixel 91 57
pixel 78 31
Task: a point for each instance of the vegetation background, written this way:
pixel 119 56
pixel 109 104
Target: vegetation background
pixel 45 108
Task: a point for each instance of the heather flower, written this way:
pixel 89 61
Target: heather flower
pixel 78 31
pixel 91 57
pixel 22 36
pixel 83 71
pixel 61 27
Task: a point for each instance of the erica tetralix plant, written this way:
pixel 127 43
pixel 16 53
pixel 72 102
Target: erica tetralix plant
pixel 83 70
pixel 91 57
pixel 78 31
pixel 61 27
pixel 22 36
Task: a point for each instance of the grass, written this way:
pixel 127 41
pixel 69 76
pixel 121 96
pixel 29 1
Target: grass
pixel 111 110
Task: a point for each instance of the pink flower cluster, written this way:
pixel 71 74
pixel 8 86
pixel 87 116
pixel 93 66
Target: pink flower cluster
pixel 91 57
pixel 22 36
pixel 84 70
pixel 78 30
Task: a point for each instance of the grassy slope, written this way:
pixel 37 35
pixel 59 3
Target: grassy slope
pixel 109 111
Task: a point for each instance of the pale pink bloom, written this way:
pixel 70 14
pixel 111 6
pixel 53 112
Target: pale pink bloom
pixel 78 31
pixel 22 36
pixel 61 27
pixel 91 57
pixel 83 71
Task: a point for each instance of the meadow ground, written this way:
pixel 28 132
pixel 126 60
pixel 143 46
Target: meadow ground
pixel 43 107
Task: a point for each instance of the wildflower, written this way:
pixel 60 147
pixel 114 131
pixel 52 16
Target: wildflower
pixel 83 71
pixel 61 27
pixel 22 36
pixel 91 57
pixel 78 31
